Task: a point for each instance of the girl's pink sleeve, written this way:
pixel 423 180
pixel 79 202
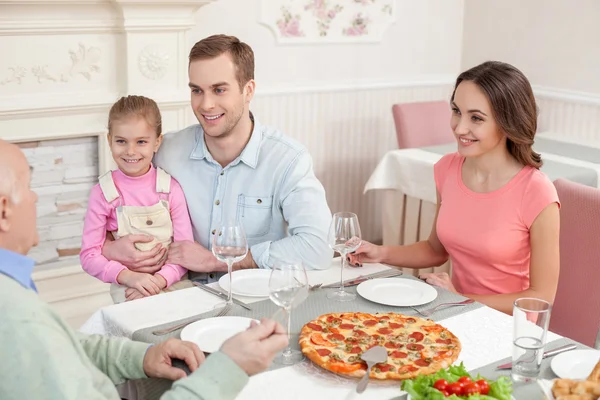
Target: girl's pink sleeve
pixel 94 234
pixel 182 230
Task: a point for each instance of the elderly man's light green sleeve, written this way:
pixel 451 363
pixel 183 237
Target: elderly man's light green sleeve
pixel 217 378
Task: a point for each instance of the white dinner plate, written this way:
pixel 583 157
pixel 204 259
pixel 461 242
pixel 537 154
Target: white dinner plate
pixel 210 333
pixel 248 282
pixel 575 364
pixel 397 292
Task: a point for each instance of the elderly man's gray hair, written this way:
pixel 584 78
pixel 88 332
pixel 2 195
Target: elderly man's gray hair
pixel 8 184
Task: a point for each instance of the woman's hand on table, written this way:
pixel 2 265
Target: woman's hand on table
pixel 158 359
pixel 439 279
pixel 366 253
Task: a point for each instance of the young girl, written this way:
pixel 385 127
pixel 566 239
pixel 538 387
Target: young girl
pixel 137 198
pixel 498 214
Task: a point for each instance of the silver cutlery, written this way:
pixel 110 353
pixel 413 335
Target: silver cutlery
pixel 363 278
pixel 374 355
pixel 429 311
pixel 546 354
pixel 220 294
pixel 161 332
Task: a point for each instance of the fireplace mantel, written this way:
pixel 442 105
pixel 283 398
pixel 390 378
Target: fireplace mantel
pixel 63 64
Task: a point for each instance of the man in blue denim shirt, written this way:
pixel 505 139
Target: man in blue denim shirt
pixel 231 166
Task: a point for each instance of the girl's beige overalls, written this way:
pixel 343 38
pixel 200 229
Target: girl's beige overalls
pixel 152 220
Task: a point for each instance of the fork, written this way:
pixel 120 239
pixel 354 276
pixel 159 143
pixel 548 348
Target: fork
pixel 162 332
pixel 429 311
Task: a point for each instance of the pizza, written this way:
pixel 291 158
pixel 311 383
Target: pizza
pixel 416 346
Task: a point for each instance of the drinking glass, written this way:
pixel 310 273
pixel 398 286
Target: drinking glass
pixel 530 318
pixel 229 246
pixel 287 282
pixel 344 237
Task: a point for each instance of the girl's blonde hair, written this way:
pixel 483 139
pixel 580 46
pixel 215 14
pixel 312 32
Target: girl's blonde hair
pixel 135 106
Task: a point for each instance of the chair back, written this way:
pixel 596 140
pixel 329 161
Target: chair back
pixel 576 309
pixel 422 124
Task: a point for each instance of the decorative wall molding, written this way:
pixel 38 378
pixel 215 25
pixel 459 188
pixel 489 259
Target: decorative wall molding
pixel 153 62
pixel 327 21
pixel 567 95
pixel 84 62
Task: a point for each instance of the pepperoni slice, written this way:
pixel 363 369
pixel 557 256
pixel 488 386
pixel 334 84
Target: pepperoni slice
pixel 360 333
pixel 314 327
pixel 317 338
pixel 443 341
pixel 336 336
pixel 384 331
pixel 324 352
pixel 383 367
pixel 410 320
pixel 370 322
pixel 418 336
pixel 333 330
pixel 422 363
pixel 356 350
pixel 407 368
pixel 398 354
pixel 384 318
pixel 395 325
pixel 414 347
pixel 391 345
pixel 346 326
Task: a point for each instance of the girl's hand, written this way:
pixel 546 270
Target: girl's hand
pixel 367 252
pixel 146 284
pixel 439 279
pixel 132 294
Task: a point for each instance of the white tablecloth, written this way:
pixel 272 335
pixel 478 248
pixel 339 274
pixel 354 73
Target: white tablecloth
pixel 485 334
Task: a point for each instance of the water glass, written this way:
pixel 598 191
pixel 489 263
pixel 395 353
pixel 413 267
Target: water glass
pixel 530 318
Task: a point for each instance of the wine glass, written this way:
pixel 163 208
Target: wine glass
pixel 229 246
pixel 287 281
pixel 344 237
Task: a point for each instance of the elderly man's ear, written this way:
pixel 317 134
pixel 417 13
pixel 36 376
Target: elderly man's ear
pixel 5 212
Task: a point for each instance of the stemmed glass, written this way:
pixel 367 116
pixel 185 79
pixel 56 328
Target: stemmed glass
pixel 287 282
pixel 344 237
pixel 229 246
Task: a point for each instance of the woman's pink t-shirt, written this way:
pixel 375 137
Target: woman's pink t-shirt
pixel 487 234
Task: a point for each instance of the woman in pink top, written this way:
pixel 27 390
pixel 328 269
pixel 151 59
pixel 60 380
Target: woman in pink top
pixel 136 198
pixel 497 215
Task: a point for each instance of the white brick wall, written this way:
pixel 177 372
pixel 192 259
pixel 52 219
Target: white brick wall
pixel 64 171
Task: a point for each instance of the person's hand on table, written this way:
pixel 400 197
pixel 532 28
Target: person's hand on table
pixel 158 359
pixel 254 349
pixel 366 253
pixel 194 257
pixel 123 250
pixel 439 279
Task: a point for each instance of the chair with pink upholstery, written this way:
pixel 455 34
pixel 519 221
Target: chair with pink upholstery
pixel 422 124
pixel 576 309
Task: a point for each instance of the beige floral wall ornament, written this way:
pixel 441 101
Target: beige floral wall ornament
pixel 153 62
pixel 327 21
pixel 84 62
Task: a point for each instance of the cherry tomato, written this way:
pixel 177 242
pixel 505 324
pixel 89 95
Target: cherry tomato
pixel 484 386
pixel 455 388
pixel 441 385
pixel 471 388
pixel 445 393
pixel 464 380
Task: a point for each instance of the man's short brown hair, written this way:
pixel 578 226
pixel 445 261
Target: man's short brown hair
pixel 241 54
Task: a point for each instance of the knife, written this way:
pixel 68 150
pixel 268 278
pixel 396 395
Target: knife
pixel 548 353
pixel 363 278
pixel 220 294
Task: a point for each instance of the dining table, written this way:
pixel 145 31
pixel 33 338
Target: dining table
pixel 485 335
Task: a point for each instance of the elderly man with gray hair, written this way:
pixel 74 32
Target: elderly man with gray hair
pixel 43 358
